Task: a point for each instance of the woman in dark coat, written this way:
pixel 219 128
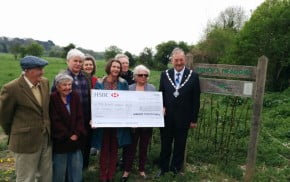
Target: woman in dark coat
pixel 67 130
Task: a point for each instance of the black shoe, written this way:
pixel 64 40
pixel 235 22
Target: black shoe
pixel 175 170
pixel 160 173
pixel 124 179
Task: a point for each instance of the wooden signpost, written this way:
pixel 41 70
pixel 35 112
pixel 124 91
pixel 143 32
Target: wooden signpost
pixel 245 81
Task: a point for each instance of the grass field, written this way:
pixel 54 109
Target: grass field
pixel 216 150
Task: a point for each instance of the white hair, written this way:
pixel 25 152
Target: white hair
pixel 140 68
pixel 119 56
pixel 62 77
pixel 75 53
pixel 176 51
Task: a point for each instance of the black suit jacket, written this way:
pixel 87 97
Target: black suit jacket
pixel 181 110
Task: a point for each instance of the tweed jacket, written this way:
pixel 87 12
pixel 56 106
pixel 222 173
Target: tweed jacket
pixel 21 116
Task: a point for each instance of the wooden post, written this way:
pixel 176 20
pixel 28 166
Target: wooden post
pixel 189 60
pixel 257 109
pixel 189 64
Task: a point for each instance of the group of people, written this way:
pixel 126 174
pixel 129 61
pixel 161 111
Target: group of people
pixel 50 133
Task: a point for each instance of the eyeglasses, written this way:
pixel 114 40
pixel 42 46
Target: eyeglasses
pixel 142 75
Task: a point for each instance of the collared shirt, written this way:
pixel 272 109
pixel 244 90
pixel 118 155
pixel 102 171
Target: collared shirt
pixel 180 76
pixel 35 90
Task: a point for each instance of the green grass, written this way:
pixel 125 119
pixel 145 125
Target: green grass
pixel 10 69
pixel 206 161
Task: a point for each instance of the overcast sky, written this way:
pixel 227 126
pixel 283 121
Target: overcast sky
pixel 131 25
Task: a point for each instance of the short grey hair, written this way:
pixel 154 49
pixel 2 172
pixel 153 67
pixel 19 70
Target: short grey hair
pixel 119 56
pixel 62 77
pixel 176 50
pixel 75 53
pixel 140 68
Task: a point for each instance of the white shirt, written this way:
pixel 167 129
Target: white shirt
pixel 180 76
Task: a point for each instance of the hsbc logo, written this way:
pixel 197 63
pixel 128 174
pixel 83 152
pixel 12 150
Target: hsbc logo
pixel 100 94
pixel 114 94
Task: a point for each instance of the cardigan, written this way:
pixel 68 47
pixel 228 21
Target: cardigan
pixel 147 87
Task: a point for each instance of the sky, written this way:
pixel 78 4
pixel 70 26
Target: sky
pixel 130 25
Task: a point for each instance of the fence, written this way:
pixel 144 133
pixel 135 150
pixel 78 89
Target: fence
pixel 234 80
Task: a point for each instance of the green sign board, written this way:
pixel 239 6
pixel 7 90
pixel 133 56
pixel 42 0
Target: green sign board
pixel 221 70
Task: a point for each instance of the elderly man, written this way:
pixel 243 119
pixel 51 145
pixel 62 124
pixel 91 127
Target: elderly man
pixel 181 100
pixel 24 116
pixel 126 73
pixel 82 85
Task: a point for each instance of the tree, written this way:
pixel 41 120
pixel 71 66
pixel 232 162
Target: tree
pixel 132 60
pixel 34 49
pixel 220 36
pixel 67 48
pixel 231 18
pixel 15 49
pixel 111 52
pixel 55 51
pixel 267 33
pixel 3 47
pixel 164 50
pixel 146 57
pixel 217 44
pixel 199 56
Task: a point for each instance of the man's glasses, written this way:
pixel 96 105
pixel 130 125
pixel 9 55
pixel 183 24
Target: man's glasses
pixel 142 75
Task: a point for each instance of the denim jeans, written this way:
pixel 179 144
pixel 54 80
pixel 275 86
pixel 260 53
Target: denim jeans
pixel 72 162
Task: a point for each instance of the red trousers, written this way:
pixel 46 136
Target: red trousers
pixel 109 154
pixel 141 135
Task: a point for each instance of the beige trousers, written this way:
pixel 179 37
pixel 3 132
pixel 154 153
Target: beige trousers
pixel 32 167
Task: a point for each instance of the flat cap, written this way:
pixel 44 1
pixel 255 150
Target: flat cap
pixel 29 62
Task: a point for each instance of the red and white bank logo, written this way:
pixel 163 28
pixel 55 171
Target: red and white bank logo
pixel 115 94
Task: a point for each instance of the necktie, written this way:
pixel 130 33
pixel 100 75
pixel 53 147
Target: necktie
pixel 177 79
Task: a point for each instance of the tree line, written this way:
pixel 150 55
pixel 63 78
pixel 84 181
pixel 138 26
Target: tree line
pixel 231 38
pixel 21 47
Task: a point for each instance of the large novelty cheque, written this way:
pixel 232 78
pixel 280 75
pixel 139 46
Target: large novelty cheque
pixel 115 108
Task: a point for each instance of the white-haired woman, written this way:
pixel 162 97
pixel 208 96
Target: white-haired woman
pixel 67 130
pixel 141 135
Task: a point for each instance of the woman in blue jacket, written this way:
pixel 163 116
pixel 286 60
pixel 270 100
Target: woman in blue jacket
pixel 109 139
